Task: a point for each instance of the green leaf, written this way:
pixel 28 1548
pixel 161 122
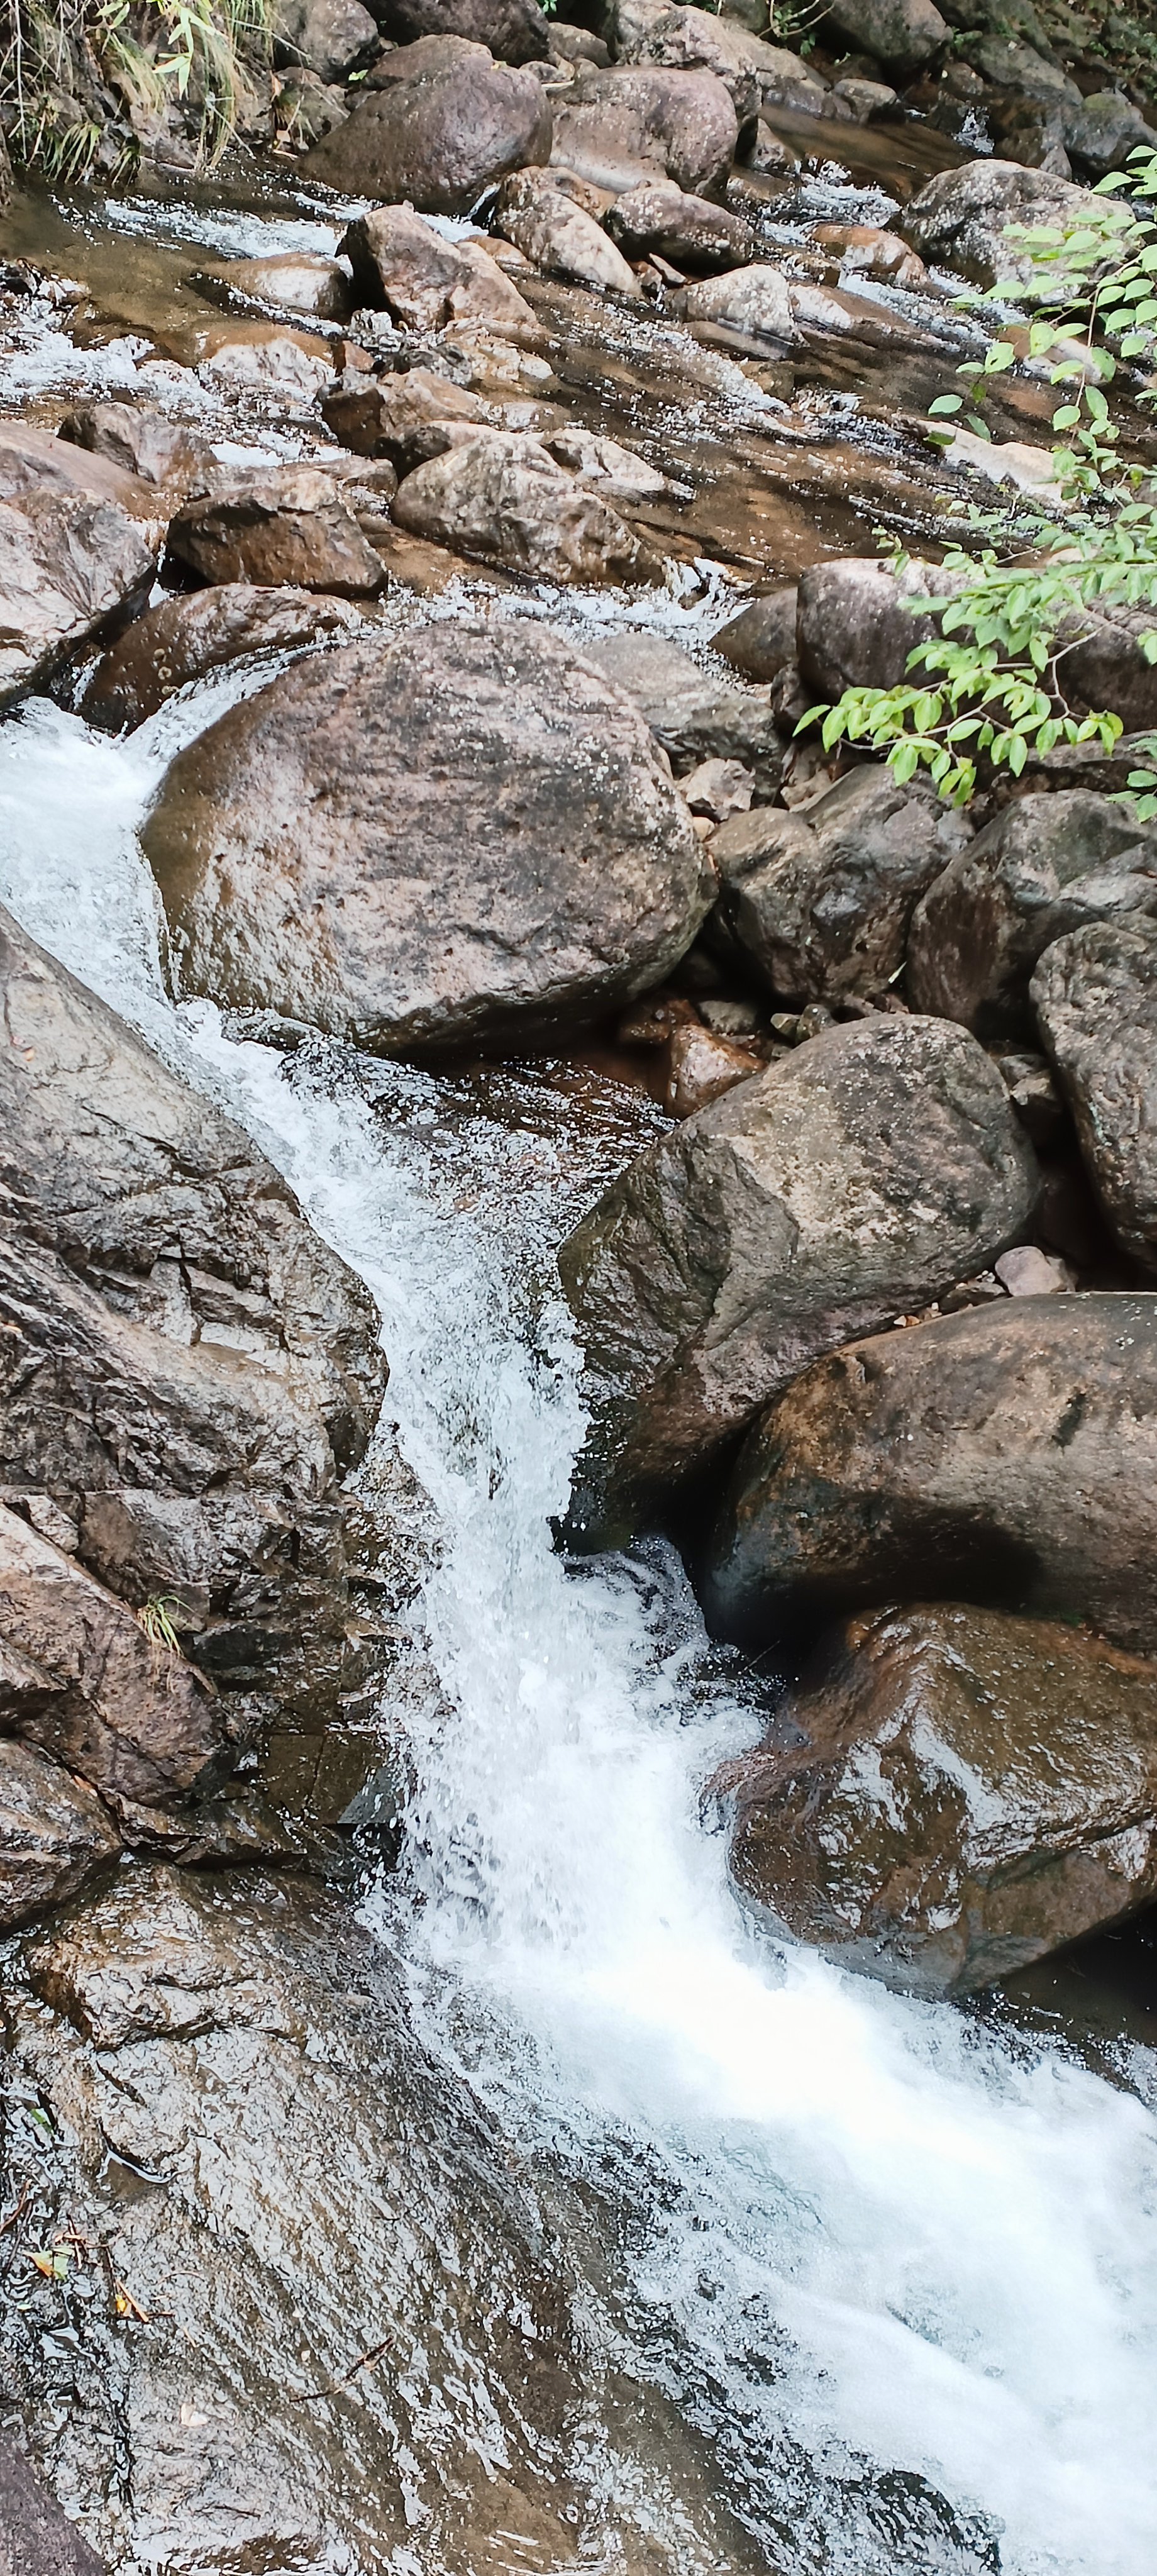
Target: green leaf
pixel 945 403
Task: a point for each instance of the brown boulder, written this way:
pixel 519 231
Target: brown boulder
pixel 1007 1454
pixel 514 31
pixel 406 418
pixel 500 495
pixel 54 1834
pixel 295 280
pixel 855 1179
pixel 687 230
pixel 1046 865
pixel 820 901
pixel 74 563
pixel 200 631
pixel 1095 998
pixel 498 848
pixel 954 1794
pixel 441 123
pixel 560 237
pixel 680 122
pixel 142 442
pixel 287 526
pixel 329 37
pixel 403 267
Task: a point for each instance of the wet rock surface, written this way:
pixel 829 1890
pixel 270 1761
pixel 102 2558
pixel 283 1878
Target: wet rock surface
pixel 288 528
pixel 55 1833
pixel 1003 1454
pixel 73 562
pixel 36 2538
pixel 508 849
pixel 739 1248
pixel 405 268
pixel 953 1794
pixel 186 637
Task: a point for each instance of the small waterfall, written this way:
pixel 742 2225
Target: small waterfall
pixel 921 2255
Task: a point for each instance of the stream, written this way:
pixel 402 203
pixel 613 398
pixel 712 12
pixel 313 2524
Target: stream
pixel 893 2264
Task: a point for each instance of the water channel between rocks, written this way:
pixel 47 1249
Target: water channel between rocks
pixel 913 2249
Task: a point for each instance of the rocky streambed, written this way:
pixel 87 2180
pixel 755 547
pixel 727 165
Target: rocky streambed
pixel 578 1790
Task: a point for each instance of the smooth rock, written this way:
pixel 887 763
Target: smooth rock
pixel 864 250
pixel 820 901
pixel 185 1368
pixel 864 99
pixel 442 123
pixel 199 631
pixel 902 33
pixel 499 848
pixel 853 1180
pixel 559 237
pixel 683 121
pixel 406 418
pixel 514 31
pixel 1095 998
pixel 1044 866
pixel 54 1835
pixel 688 712
pixel 1026 1271
pixel 36 2538
pixel 73 565
pixel 687 230
pixel 403 267
pixel 958 1794
pixel 143 442
pixel 329 37
pixel 761 639
pixel 284 527
pixel 701 1067
pixel 1005 1455
pixel 296 281
pixel 855 628
pixel 961 218
pixel 501 496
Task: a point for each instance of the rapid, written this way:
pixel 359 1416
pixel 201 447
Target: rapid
pixel 894 2265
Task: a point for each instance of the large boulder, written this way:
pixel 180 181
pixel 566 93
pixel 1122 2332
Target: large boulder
pixel 757 301
pixel 855 627
pixel 237 2101
pixel 954 1794
pixel 962 218
pixel 902 33
pixel 406 419
pixel 186 1371
pixel 854 1180
pixel 141 441
pixel 514 31
pixel 329 37
pixel 820 901
pixel 404 268
pixel 195 632
pixel 687 230
pixel 761 639
pixel 1006 1455
pixel 688 711
pixel 55 1833
pixel 501 495
pixel 441 122
pixel 560 237
pixel 1044 866
pixel 461 838
pixel 1095 998
pixel 287 526
pixel 678 122
pixel 36 2538
pixel 754 73
pixel 75 558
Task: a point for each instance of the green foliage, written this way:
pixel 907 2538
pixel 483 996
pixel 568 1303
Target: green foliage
pixel 992 686
pixel 63 63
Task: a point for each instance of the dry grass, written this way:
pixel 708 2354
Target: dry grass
pixel 82 81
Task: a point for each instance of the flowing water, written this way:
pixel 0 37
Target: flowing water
pixel 896 2270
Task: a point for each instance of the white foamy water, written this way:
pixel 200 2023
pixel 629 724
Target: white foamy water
pixel 838 2228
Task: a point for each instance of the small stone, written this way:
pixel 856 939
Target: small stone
pixel 718 788
pixel 702 1068
pixel 1028 1272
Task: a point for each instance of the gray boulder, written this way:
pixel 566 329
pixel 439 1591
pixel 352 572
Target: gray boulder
pixel 962 218
pixel 36 2538
pixel 854 1180
pixel 406 419
pixel 761 639
pixel 902 33
pixel 689 713
pixel 75 559
pixel 955 1793
pixel 1102 130
pixel 291 281
pixel 756 301
pixel 1006 1455
pixel 199 631
pixel 514 31
pixel 820 901
pixel 141 441
pixel 284 527
pixel 679 122
pixel 560 237
pixel 687 230
pixel 498 850
pixel 1095 998
pixel 1045 865
pixel 440 123
pixel 502 496
pixel 329 37
pixel 855 627
pixel 403 267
